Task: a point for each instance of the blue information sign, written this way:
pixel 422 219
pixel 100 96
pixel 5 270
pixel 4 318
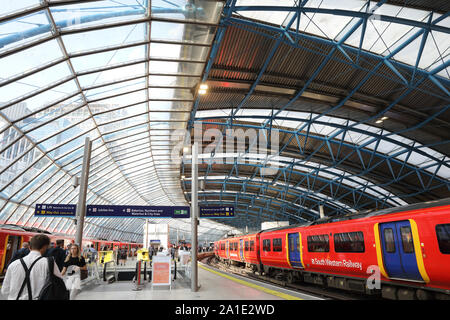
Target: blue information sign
pixel 137 211
pixel 216 212
pixel 55 210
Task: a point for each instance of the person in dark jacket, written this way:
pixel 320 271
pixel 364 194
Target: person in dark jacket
pixel 22 252
pixel 58 253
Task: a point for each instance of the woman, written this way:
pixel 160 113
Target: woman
pixel 73 263
pixel 122 256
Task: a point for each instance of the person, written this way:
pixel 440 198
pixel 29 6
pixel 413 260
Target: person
pixel 151 252
pixel 122 256
pixel 15 275
pixel 92 253
pixel 22 252
pixel 73 263
pixel 58 253
pixel 68 249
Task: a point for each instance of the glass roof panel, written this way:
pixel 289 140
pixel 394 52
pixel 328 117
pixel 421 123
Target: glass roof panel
pixel 178 94
pixel 108 58
pixel 176 68
pixel 85 41
pixel 176 51
pixel 44 54
pixel 174 81
pixel 115 89
pixel 22 30
pixel 35 82
pixel 182 32
pixel 112 75
pixel 64 108
pixel 198 11
pixel 380 37
pixel 40 101
pixel 97 13
pixel 13 6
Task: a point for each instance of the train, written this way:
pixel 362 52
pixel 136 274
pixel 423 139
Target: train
pixel 400 253
pixel 12 237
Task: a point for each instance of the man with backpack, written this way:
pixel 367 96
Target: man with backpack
pixel 15 286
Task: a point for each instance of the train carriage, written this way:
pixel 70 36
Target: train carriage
pixel 408 247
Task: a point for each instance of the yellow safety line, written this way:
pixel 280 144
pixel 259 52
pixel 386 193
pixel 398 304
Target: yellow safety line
pixel 254 286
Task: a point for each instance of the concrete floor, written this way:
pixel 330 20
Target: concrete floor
pixel 213 287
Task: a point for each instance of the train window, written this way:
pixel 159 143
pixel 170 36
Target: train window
pixel 246 246
pixel 222 246
pixel 318 243
pixel 276 243
pixel 252 245
pixel 266 245
pixel 349 242
pixel 443 236
pixel 407 241
pixel 389 240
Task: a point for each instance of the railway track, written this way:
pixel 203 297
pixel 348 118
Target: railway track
pixel 326 293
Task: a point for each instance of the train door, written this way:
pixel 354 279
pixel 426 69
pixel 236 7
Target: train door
pixel 294 250
pixel 228 249
pixel 399 256
pixel 13 244
pixel 241 248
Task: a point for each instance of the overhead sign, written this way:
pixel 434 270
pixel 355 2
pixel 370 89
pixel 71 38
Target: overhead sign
pixel 216 212
pixel 55 210
pixel 137 211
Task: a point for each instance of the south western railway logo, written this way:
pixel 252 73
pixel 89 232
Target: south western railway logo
pixel 337 263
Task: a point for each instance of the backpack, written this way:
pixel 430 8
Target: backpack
pixel 54 288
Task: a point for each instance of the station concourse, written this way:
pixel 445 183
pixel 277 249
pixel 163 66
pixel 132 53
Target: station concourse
pixel 228 150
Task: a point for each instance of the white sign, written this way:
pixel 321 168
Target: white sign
pixel 161 271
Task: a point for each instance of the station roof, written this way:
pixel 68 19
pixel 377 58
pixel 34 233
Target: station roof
pixel 357 93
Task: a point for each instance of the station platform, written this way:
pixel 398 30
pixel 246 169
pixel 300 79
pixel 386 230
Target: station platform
pixel 214 285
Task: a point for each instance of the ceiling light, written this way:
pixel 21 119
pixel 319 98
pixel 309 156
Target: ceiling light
pixel 384 118
pixel 203 86
pixel 202 91
pixel 379 121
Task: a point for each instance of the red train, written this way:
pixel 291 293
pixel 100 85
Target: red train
pixel 408 247
pixel 12 237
